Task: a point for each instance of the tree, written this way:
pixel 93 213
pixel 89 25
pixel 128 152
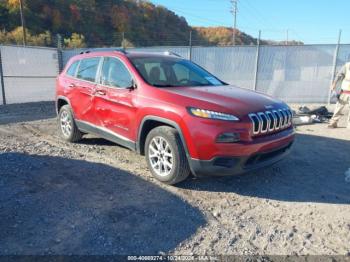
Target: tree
pixel 99 23
pixel 127 44
pixel 16 37
pixel 75 41
pixel 13 4
pixel 4 17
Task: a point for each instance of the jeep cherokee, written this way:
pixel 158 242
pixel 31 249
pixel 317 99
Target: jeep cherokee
pixel 181 117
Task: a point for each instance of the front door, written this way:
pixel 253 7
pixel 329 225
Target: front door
pixel 114 100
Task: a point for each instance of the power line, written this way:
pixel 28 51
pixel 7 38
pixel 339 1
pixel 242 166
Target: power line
pixel 218 23
pixel 268 20
pixel 262 17
pixel 253 13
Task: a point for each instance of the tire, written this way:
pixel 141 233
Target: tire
pixel 164 146
pixel 65 118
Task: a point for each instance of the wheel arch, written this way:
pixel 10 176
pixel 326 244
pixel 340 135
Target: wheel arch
pixel 150 122
pixel 61 101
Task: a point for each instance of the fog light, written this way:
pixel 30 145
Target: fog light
pixel 228 138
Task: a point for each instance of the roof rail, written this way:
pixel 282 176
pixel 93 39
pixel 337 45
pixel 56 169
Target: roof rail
pixel 171 53
pixel 122 50
pixel 85 52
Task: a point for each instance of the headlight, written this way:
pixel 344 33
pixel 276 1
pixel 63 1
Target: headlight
pixel 211 114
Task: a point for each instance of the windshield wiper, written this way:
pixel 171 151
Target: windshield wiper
pixel 195 85
pixel 165 86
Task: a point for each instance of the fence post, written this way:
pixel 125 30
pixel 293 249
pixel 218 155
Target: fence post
pixel 59 53
pixel 123 41
pixel 334 69
pixel 257 62
pixel 2 81
pixel 190 46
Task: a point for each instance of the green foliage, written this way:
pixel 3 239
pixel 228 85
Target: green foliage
pixel 127 44
pixel 99 23
pixel 4 16
pixel 75 41
pixel 16 37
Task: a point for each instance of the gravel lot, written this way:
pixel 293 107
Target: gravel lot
pixel 95 197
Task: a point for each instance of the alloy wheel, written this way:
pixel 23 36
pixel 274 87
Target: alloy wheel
pixel 66 123
pixel 161 156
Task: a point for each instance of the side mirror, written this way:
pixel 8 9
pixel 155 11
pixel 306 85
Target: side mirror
pixel 132 85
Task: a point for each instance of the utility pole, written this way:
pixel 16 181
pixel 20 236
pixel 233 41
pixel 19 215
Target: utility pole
pixel 23 22
pixel 234 12
pixel 287 35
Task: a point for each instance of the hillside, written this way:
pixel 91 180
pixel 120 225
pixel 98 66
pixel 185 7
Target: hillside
pixel 222 36
pixel 97 23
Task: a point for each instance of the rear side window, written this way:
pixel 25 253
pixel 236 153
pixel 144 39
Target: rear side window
pixel 73 69
pixel 88 69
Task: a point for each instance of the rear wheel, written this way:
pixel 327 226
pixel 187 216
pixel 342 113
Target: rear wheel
pixel 166 156
pixel 68 129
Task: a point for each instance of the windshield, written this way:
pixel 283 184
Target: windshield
pixel 173 72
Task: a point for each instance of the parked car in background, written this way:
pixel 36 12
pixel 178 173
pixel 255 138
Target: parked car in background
pixel 181 117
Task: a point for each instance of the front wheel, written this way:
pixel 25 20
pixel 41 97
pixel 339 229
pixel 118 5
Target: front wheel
pixel 166 156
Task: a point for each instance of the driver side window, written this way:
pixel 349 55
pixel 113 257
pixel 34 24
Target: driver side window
pixel 115 74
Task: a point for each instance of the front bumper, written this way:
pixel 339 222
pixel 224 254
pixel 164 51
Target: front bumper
pixel 224 166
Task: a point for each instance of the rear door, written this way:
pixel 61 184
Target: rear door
pixel 114 99
pixel 83 89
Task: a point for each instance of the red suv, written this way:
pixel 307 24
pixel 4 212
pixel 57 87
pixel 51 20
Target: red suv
pixel 182 118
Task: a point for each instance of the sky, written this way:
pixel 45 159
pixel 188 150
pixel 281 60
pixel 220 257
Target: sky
pixel 310 21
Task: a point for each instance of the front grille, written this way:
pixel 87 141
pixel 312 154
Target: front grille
pixel 271 121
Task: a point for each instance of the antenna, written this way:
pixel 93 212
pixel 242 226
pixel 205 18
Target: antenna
pixel 171 53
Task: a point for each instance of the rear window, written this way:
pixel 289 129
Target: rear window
pixel 73 69
pixel 88 69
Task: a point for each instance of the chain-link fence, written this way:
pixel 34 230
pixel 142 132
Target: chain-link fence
pixel 300 74
pixel 295 74
pixel 234 65
pixel 2 85
pixel 28 73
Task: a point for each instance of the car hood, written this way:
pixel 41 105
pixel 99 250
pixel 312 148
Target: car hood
pixel 233 99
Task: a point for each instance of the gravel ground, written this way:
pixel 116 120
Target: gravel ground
pixel 95 197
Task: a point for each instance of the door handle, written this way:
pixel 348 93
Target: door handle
pixel 100 92
pixel 71 85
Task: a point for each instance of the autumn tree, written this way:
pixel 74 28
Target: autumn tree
pixel 75 41
pixel 98 23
